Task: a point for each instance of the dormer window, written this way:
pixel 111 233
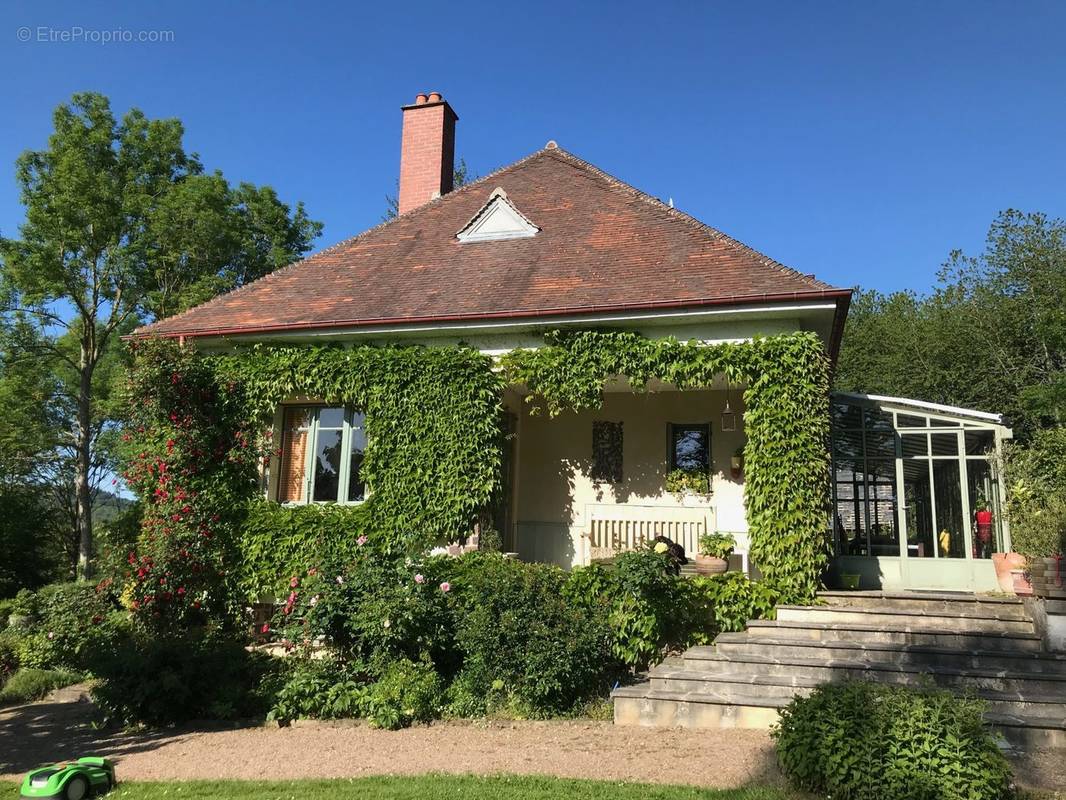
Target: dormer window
pixel 497 219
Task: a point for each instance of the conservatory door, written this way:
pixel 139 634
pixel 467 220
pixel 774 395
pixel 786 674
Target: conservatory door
pixel 936 494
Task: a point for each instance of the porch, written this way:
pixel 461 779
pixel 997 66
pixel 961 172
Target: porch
pixel 583 486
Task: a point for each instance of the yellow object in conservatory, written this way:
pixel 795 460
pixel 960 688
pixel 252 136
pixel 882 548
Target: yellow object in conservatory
pixel 945 542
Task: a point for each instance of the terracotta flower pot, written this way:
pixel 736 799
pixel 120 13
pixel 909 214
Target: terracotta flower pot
pixel 1004 563
pixel 1020 581
pixel 710 565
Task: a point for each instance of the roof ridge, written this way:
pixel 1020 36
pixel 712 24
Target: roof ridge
pixel 351 240
pixel 684 216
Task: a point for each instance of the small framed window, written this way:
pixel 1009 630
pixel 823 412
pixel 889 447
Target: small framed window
pixel 322 455
pixel 690 448
pixel 606 451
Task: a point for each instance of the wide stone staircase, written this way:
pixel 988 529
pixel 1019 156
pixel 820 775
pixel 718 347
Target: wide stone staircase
pixel 986 646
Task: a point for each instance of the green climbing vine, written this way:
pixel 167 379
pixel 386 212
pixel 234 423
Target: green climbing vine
pixel 200 424
pixel 786 422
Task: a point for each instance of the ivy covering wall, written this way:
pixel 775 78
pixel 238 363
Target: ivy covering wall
pixel 432 423
pixel 200 424
pixel 786 460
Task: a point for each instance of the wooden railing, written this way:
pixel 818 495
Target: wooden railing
pixel 612 529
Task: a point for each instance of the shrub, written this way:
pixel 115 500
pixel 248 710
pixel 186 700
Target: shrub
pixel 864 741
pixel 373 608
pixel 406 692
pixel 521 638
pixel 26 685
pixel 155 680
pixel 650 610
pixel 735 599
pixel 1036 496
pixel 9 654
pixel 72 619
pixel 320 689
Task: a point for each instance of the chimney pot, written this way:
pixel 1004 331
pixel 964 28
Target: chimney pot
pixel 427 151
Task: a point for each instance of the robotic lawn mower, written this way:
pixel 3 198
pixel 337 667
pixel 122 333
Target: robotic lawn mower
pixel 74 781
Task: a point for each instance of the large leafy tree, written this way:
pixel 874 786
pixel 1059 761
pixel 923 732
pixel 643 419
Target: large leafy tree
pixel 123 225
pixel 991 335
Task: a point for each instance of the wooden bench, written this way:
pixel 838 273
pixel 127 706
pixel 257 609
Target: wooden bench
pixel 611 529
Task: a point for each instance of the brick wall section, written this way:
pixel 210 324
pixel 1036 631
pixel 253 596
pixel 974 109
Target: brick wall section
pixel 427 153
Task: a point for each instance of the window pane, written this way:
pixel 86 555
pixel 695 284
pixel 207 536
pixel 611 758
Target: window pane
pixel 357 448
pixel 982 489
pixel 330 417
pixel 945 444
pixel 909 421
pixel 978 443
pixel 915 444
pixel 327 465
pixel 845 415
pixel 919 509
pixel 689 448
pixel 847 443
pixel 295 423
pixel 876 419
pixel 880 443
pixel 949 525
pixel 881 508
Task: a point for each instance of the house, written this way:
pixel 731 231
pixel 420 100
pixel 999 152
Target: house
pixel 551 242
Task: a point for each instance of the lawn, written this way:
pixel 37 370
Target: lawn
pixel 439 787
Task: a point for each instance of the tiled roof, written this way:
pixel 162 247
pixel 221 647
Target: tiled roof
pixel 603 245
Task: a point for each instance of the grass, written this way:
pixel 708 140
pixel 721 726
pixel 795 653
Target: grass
pixel 438 787
pixel 26 685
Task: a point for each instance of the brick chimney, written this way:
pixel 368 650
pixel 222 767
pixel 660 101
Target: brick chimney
pixel 427 154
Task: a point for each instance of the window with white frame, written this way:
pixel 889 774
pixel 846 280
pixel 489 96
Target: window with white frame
pixel 322 453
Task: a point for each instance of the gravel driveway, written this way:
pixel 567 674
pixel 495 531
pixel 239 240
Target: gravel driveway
pixel 59 728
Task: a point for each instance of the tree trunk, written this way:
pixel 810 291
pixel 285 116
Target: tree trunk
pixel 83 445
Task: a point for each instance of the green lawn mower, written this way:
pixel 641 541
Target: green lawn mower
pixel 85 777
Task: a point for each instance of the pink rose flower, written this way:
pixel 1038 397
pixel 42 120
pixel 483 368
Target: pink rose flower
pixel 361 541
pixel 419 579
pixel 265 628
pixel 294 582
pixel 446 587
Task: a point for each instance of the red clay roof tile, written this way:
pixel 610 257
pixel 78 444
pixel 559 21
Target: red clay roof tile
pixel 602 245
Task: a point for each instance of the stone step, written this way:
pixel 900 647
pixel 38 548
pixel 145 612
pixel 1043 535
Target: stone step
pixel 834 671
pixel 642 705
pixel 901 634
pixel 930 602
pixel 784 688
pixel 921 656
pixel 881 616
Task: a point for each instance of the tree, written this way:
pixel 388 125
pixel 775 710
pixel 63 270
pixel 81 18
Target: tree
pixel 991 335
pixel 123 225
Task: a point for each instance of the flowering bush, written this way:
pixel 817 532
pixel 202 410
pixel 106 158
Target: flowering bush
pixel 192 463
pixel 370 607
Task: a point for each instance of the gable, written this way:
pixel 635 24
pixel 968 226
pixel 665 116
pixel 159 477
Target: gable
pixel 497 219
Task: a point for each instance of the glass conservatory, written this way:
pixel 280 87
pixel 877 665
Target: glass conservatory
pixel 917 501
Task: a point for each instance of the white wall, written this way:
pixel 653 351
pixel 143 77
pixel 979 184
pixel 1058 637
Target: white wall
pixel 554 455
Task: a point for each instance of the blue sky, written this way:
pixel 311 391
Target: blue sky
pixel 859 141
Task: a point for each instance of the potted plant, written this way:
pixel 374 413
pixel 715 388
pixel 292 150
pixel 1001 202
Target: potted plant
pixel 715 549
pixel 23 609
pixel 681 482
